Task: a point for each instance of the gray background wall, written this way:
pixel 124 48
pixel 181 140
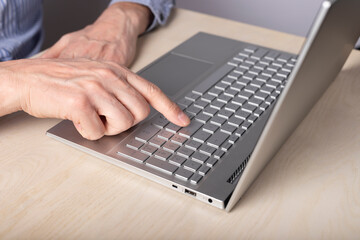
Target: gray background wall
pixel 292 16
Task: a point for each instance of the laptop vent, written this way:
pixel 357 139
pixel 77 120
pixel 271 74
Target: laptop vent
pixel 234 177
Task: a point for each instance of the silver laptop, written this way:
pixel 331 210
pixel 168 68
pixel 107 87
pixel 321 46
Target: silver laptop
pixel 244 101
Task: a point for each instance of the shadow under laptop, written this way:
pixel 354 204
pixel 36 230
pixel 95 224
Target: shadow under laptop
pixel 303 169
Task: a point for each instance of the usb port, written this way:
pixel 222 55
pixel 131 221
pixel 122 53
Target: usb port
pixel 190 193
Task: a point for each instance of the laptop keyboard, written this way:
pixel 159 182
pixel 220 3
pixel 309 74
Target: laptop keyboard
pixel 222 109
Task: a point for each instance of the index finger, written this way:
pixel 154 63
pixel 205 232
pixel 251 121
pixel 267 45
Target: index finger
pixel 158 100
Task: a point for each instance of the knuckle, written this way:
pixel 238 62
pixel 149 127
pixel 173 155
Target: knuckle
pixel 94 86
pixel 79 102
pixel 143 112
pixel 107 73
pixel 66 37
pixel 152 89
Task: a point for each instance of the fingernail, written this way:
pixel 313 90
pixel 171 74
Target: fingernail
pixel 184 119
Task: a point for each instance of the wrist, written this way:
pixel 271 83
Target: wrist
pixel 136 15
pixel 9 89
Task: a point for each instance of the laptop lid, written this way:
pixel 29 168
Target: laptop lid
pixel 329 43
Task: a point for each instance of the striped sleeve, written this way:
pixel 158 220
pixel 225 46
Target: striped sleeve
pixel 160 8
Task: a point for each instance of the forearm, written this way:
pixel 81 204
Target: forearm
pixel 136 17
pixel 9 91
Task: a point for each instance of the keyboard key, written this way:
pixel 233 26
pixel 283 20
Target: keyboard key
pixel 250 49
pixel 217 104
pixel 211 128
pixel 162 154
pixel 233 139
pixel 255 101
pixel 210 111
pixel 239 101
pixel 228 80
pixel 208 150
pixel 251 89
pixel 184 102
pixel 211 162
pixel 192 97
pixel 242 114
pixel 225 113
pixel 148 149
pixel 226 146
pixel 237 87
pixel 185 152
pixel 245 95
pixel 224 98
pixel 208 98
pixel 177 139
pixel 157 142
pixel 219 154
pixel 204 170
pixel 189 130
pixel 215 91
pixel 193 145
pixel 217 139
pixel 132 154
pixel 201 136
pixel 260 53
pixel 228 129
pixel 252 118
pixel 249 76
pixel 248 108
pixel 261 95
pixel 195 179
pixel 235 121
pixel 191 165
pixel 134 144
pixel 217 120
pixel 193 110
pixel 231 93
pixel 271 55
pixel 145 134
pixel 165 134
pixel 159 122
pixel 201 104
pixel 161 165
pixel 284 57
pixel 246 125
pixel 203 118
pixel 221 86
pixel 240 132
pixel 199 157
pixel 172 128
pixel 183 173
pixel 170 147
pixel 177 160
pixel 232 107
pixel 267 73
pixel 267 89
pixel 243 81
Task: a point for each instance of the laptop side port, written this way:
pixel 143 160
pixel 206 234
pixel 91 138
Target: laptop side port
pixel 190 192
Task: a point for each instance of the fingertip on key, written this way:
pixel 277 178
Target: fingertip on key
pixel 184 119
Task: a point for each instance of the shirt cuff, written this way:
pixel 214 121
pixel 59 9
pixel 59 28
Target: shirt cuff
pixel 160 9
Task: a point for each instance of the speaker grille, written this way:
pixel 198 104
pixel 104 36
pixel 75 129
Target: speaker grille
pixel 234 177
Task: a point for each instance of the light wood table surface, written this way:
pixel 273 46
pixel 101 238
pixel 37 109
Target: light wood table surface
pixel 310 190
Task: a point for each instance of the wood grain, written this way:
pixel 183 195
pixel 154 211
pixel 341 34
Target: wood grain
pixel 310 190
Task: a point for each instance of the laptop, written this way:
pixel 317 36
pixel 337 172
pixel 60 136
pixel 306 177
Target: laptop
pixel 244 101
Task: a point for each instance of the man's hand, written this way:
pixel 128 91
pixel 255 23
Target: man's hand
pixel 101 98
pixel 112 37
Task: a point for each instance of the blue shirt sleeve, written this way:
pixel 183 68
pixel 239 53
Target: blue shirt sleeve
pixel 160 8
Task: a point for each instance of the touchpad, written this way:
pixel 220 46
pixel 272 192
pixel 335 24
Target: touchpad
pixel 173 72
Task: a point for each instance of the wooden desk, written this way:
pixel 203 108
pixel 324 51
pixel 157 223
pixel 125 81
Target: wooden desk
pixel 310 190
